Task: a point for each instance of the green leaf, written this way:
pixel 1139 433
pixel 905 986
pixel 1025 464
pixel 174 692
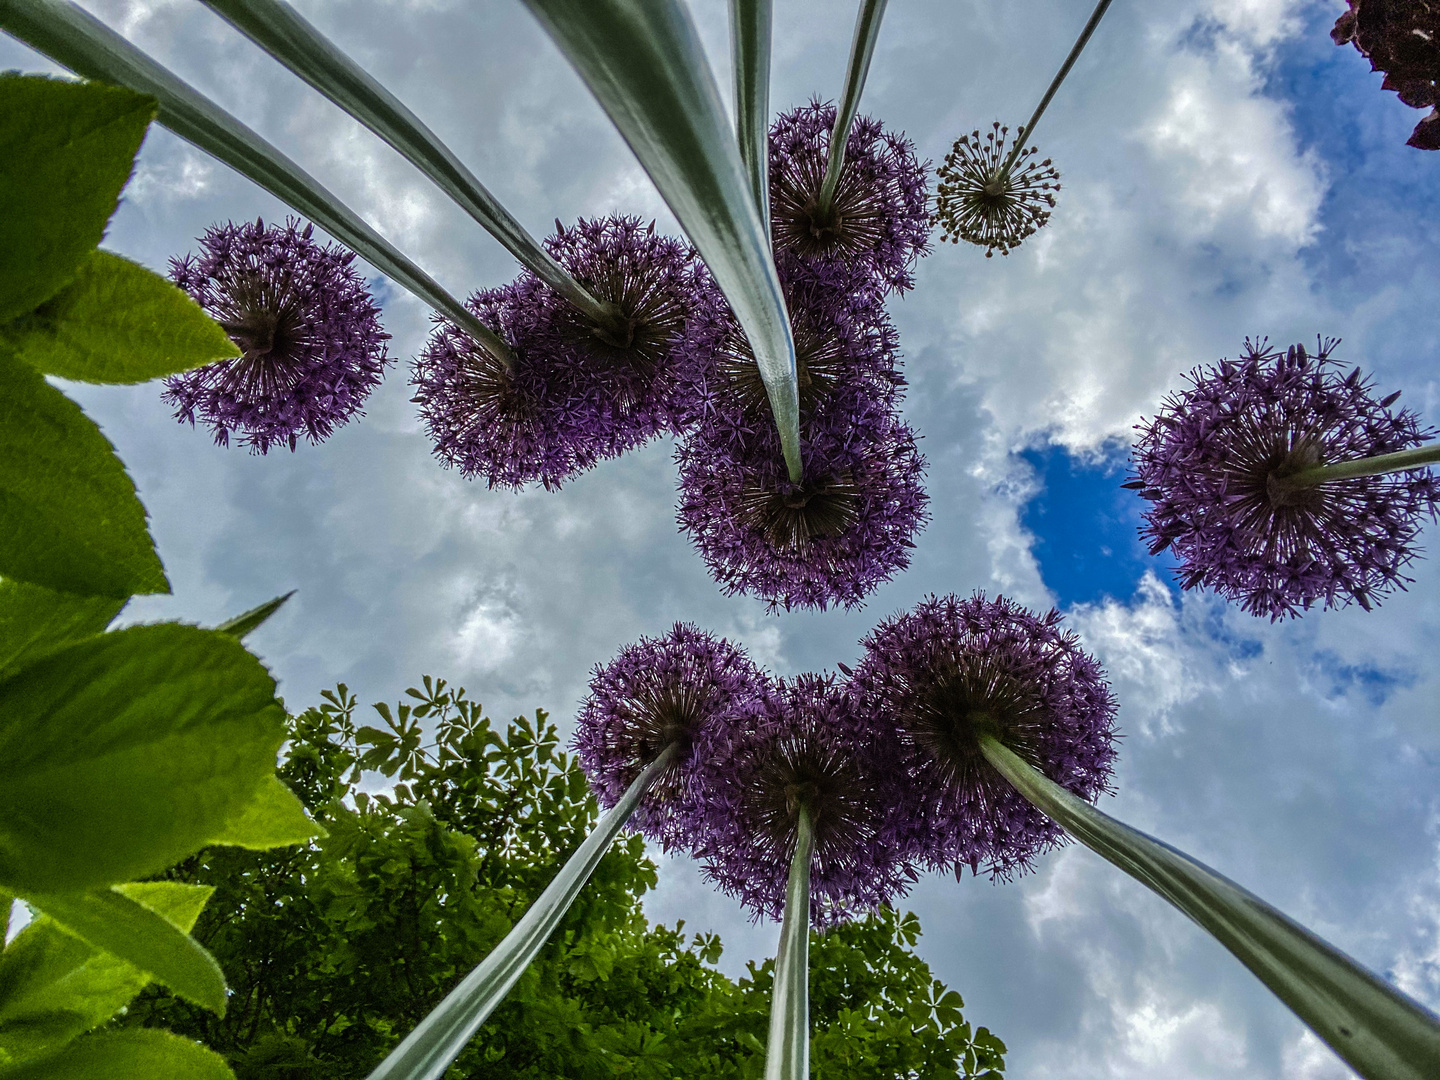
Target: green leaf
pixel 35 621
pixel 72 37
pixel 117 323
pixel 128 751
pixel 750 33
pixel 274 818
pixel 66 150
pixel 241 625
pixel 122 1055
pixel 127 928
pixel 1378 1030
pixel 69 516
pixel 645 65
pixel 862 48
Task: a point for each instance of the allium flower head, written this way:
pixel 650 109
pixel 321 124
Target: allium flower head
pixel 813 745
pixel 577 392
pixel 688 688
pixel 307 327
pixel 978 202
pixel 878 226
pixel 1214 461
pixel 1401 39
pixel 951 670
pixel 832 538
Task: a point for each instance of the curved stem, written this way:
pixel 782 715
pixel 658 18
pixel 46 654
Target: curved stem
pixel 282 32
pixel 77 40
pixel 862 48
pixel 1023 135
pixel 428 1050
pixel 1379 1031
pixel 750 22
pixel 1377 465
pixel 787 1051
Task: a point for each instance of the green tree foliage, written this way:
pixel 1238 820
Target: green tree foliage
pixel 334 951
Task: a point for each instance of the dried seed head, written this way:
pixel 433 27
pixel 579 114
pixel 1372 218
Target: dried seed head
pixel 979 202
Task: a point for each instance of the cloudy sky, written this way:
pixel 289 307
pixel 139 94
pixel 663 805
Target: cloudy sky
pixel 1227 172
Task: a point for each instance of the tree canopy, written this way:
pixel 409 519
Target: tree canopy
pixel 335 950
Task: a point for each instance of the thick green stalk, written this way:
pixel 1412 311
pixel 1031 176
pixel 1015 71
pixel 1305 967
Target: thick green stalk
pixel 282 32
pixel 428 1050
pixel 72 37
pixel 787 1052
pixel 645 65
pixel 750 22
pixel 1377 465
pixel 1379 1031
pixel 862 48
pixel 1023 135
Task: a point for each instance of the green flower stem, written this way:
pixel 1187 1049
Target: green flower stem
pixel 1377 465
pixel 750 22
pixel 787 1051
pixel 644 64
pixel 1379 1031
pixel 72 37
pixel 438 1039
pixel 862 48
pixel 1024 134
pixel 282 32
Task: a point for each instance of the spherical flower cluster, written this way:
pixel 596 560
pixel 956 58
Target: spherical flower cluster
pixel 1214 461
pixel 979 202
pixel 1402 40
pixel 688 688
pixel 813 745
pixel 953 670
pixel 576 392
pixel 308 329
pixel 878 225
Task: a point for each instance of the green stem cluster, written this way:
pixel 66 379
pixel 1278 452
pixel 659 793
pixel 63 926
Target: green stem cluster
pixel 1376 465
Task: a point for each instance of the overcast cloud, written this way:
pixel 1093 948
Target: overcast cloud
pixel 1226 170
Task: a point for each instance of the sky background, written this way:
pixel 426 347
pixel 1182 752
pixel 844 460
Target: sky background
pixel 1226 171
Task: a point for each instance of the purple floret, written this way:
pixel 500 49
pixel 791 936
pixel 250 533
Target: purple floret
pixel 880 226
pixel 812 743
pixel 576 393
pixel 1213 461
pixel 688 687
pixel 305 322
pixel 938 677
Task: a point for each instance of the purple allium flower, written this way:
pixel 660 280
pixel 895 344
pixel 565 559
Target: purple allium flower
pixel 305 322
pixel 813 744
pixel 976 201
pixel 577 392
pixel 689 688
pixel 879 224
pixel 1213 463
pixel 954 669
pixel 832 538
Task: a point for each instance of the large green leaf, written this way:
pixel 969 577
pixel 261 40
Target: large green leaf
pixel 750 31
pixel 128 751
pixel 72 37
pixel 1382 1033
pixel 66 150
pixel 69 517
pixel 35 621
pixel 124 926
pixel 117 322
pixel 54 986
pixel 273 818
pixel 646 67
pixel 129 1054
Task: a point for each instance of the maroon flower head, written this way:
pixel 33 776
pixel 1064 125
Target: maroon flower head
pixel 878 225
pixel 813 746
pixel 952 670
pixel 1213 463
pixel 1402 39
pixel 307 327
pixel 687 688
pixel 978 201
pixel 578 391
